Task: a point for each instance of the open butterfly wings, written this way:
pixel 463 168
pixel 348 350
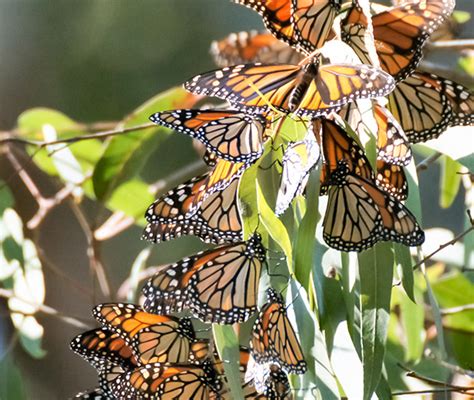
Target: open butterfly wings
pixel 153 338
pixel 308 90
pixel 219 285
pixel 426 105
pixel 231 135
pixel 273 338
pixel 399 33
pixel 101 347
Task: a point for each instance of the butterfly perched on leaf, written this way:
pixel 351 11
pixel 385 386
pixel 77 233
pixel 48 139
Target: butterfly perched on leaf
pixel 231 135
pixel 273 338
pixel 426 105
pixel 218 285
pixel 359 214
pixel 311 89
pixel 161 381
pixel 152 338
pixel 250 47
pixel 216 220
pixel 298 160
pixel 303 24
pixel 399 33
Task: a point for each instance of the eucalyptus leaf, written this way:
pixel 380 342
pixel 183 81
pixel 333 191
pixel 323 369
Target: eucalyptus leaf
pixel 376 273
pixel 228 347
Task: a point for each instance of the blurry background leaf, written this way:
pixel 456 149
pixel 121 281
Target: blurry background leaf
pixel 450 181
pixel 126 154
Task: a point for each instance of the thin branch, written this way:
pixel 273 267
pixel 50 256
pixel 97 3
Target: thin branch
pixel 434 382
pixel 458 44
pixel 450 243
pixel 455 310
pixel 423 165
pixel 98 135
pixel 47 310
pixel 124 288
pixel 195 168
pixel 427 391
pixel 95 262
pixel 115 224
pixel 48 204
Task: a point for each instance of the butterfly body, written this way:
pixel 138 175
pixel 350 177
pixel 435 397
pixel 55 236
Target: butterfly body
pixel 309 90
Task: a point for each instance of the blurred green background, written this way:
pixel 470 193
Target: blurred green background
pixel 96 60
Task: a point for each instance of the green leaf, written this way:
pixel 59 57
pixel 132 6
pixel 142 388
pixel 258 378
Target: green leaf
pixel 248 201
pixel 126 154
pixel 228 347
pixel 31 123
pixel 404 261
pixel 460 341
pixel 461 17
pixel 450 181
pixel 376 273
pixel 13 383
pixel 319 381
pixel 306 235
pixel 412 318
pixel 132 198
pixel 455 290
pixel 274 226
pixel 467 64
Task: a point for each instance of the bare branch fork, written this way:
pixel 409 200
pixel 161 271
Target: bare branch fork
pixel 450 243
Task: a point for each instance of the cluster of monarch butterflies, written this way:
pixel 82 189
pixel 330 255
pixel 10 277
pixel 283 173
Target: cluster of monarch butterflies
pixel 264 79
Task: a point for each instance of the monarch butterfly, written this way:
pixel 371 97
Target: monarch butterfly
pixel 231 135
pixel 426 104
pixel 153 338
pixel 273 338
pixel 216 220
pixel 219 285
pixel 298 160
pixel 168 381
pixel 337 145
pixel 302 24
pixel 100 347
pixel 392 179
pixel 399 32
pixel 393 146
pixel 247 47
pixel 310 89
pixel 359 214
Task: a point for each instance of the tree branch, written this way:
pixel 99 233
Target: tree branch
pixel 99 135
pixel 450 243
pixel 9 294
